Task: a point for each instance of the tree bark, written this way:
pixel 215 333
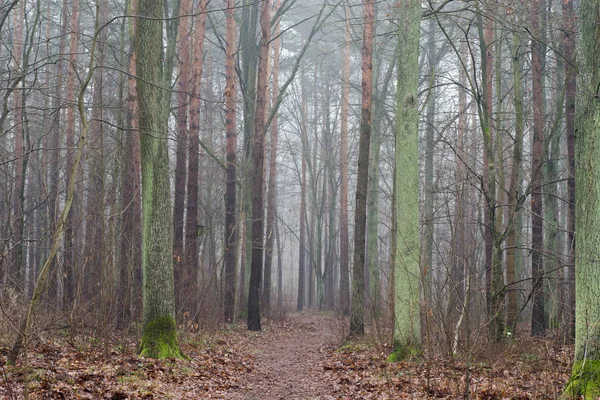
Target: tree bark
pixel 159 335
pixel 231 234
pixel 15 273
pixel 70 273
pixel 407 332
pixel 190 268
pixel 271 190
pixel 585 378
pixel 538 322
pixel 357 324
pixel 181 116
pixel 344 241
pixel 570 33
pixel 513 200
pixel 257 161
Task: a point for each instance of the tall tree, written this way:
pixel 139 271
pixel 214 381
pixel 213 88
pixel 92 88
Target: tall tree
pixel 569 30
pixel 272 203
pixel 159 334
pixel 70 271
pixel 230 255
pixel 344 241
pixel 131 229
pixel 407 274
pixel 357 323
pixel 183 85
pixel 538 322
pixel 18 154
pixel 513 200
pixel 257 178
pixel 189 286
pixel 585 378
pixel 302 216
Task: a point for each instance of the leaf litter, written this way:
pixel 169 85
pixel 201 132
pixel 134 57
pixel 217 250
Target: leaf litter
pixel 300 357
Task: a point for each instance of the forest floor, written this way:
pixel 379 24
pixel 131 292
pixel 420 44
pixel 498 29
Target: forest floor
pixel 301 356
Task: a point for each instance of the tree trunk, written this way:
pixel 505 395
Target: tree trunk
pixel 585 378
pixel 538 322
pixel 513 200
pixel 131 230
pixel 344 241
pixel 93 255
pixel 15 275
pixel 272 204
pixel 159 335
pixel 231 234
pixel 302 216
pixel 357 324
pixel 181 115
pixel 189 285
pixel 428 212
pixel 70 273
pixel 407 325
pixel 257 162
pixel 570 32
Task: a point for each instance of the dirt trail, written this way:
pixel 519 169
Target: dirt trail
pixel 289 361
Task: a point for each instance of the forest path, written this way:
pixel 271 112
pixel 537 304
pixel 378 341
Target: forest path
pixel 289 359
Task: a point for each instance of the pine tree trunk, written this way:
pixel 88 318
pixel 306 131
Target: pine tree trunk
pixel 15 272
pixel 181 116
pixel 188 285
pixel 231 234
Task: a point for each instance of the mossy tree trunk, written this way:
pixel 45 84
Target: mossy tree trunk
pixel 585 380
pixel 407 311
pixel 159 337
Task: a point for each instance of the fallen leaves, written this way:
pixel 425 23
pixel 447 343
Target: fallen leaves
pixel 298 359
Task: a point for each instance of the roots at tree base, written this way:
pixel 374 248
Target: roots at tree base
pixel 585 380
pixel 159 339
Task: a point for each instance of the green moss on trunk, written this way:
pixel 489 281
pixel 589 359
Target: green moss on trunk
pixel 585 380
pixel 160 339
